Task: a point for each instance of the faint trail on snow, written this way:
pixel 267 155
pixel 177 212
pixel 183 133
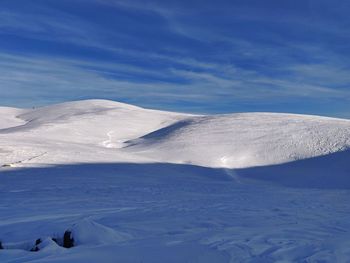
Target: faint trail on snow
pixel 108 143
pixel 230 172
pixel 13 164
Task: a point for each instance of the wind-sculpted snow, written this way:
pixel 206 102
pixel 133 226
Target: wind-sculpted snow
pixel 167 213
pixel 128 184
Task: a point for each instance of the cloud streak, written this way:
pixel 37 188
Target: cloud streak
pixel 26 78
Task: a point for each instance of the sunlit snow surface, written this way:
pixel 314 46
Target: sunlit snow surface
pixel 137 185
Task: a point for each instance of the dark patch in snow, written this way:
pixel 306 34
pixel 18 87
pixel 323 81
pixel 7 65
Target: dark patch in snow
pixel 36 248
pixel 68 240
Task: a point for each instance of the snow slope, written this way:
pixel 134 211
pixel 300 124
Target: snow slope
pixel 75 131
pixel 8 117
pixel 245 140
pixel 140 185
pixel 226 141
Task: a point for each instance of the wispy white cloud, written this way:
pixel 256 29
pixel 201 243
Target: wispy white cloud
pixel 28 77
pixel 59 27
pixel 43 23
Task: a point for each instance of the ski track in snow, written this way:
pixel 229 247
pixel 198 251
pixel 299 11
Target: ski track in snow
pixel 137 185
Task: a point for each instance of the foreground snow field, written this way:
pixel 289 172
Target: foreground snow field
pixel 138 185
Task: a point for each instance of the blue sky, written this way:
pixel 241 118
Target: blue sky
pixel 193 56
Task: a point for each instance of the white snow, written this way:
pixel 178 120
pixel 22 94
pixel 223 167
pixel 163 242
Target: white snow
pixel 140 185
pixel 8 117
pixel 245 140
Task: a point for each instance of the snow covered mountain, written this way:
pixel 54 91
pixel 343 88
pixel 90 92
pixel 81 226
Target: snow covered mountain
pixel 171 183
pixel 226 141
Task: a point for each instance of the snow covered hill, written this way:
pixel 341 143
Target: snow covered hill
pixel 226 141
pixel 140 185
pixel 80 131
pixel 245 140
